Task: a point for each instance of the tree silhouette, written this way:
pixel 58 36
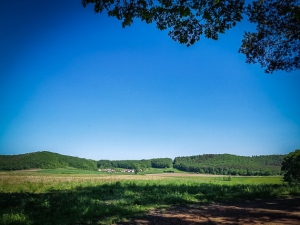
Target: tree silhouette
pixel 291 167
pixel 275 44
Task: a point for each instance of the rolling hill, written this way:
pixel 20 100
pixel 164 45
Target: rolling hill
pixel 225 164
pixel 228 164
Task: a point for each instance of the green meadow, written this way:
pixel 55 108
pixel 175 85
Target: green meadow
pixel 89 197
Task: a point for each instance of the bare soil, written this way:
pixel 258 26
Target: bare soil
pixel 275 211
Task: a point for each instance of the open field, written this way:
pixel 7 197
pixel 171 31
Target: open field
pixel 88 197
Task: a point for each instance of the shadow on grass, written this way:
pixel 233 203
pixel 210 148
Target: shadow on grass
pixel 117 201
pixel 267 211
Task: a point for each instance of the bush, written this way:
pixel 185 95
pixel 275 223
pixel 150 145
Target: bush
pixel 291 167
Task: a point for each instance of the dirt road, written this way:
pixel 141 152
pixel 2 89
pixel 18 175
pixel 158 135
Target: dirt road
pixel 279 211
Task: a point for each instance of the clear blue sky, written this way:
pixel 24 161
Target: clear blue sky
pixel 77 83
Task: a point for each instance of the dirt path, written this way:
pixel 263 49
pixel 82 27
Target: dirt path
pixel 279 211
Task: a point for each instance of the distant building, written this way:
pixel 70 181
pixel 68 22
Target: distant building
pixel 107 170
pixel 128 171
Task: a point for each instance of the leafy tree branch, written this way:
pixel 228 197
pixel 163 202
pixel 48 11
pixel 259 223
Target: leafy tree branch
pixel 275 44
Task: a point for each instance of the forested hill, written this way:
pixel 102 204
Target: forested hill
pixel 44 160
pixel 142 164
pixel 49 160
pixel 227 164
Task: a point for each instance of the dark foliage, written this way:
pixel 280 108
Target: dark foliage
pixel 275 44
pixel 291 167
pixel 186 20
pixel 227 164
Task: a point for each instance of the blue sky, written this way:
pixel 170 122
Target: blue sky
pixel 77 83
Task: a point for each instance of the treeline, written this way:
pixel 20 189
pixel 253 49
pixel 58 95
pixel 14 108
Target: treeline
pixel 44 160
pixel 227 164
pixel 50 160
pixel 130 164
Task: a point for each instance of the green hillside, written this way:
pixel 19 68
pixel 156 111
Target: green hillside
pixel 49 160
pixel 44 160
pixel 227 164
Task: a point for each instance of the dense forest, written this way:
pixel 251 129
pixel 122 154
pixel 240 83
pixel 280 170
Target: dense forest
pixel 143 164
pixel 44 160
pixel 227 164
pixel 49 160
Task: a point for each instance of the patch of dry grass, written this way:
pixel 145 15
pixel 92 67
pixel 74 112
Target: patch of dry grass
pixel 11 182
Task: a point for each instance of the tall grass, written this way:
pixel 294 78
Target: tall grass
pixel 37 198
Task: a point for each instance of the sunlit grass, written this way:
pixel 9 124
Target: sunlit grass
pixel 34 197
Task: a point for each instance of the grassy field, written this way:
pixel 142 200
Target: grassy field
pixel 89 197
